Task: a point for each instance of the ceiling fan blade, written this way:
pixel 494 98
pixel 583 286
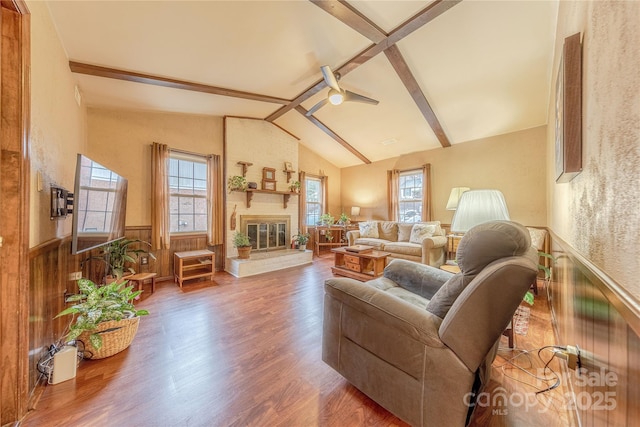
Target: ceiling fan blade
pixel 329 77
pixel 350 96
pixel 317 107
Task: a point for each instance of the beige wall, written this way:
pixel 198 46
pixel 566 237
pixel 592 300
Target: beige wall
pixel 57 125
pixel 121 140
pixel 265 145
pixel 598 213
pixel 514 163
pixel 313 164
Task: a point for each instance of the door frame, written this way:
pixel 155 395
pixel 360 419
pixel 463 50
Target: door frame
pixel 14 209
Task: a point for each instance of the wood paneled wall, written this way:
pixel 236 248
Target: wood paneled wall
pixel 596 314
pixel 50 266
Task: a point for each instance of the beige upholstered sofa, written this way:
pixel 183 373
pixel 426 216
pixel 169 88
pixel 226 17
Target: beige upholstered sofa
pixel 420 341
pixel 423 242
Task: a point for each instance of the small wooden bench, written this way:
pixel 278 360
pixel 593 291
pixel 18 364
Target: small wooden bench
pixel 140 278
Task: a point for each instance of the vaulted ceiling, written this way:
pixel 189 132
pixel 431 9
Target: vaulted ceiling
pixel 445 72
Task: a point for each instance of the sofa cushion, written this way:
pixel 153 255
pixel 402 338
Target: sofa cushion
pixel 421 231
pixel 376 243
pixel 404 232
pixel 388 230
pixel 404 248
pixel 369 229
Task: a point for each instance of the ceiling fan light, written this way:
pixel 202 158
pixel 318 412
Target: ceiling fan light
pixel 335 97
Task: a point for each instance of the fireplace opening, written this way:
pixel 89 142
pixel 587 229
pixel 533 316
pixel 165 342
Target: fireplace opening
pixel 266 232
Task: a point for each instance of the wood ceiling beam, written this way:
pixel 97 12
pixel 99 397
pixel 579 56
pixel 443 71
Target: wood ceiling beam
pixel 332 134
pixel 113 73
pixel 410 82
pixel 421 18
pixel 350 16
pixel 354 19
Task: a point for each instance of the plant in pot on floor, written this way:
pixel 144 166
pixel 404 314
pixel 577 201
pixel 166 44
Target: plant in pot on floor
pixel 104 317
pixel 301 239
pixel 243 244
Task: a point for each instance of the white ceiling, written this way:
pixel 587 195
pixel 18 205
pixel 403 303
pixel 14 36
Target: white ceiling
pixel 484 66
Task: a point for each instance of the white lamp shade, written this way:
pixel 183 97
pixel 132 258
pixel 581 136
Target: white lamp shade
pixel 454 197
pixel 478 206
pixel 355 210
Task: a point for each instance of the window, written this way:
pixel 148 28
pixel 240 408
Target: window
pixel 188 193
pixel 410 196
pixel 313 188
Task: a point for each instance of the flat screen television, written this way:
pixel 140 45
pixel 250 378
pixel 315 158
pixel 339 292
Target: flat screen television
pixel 100 206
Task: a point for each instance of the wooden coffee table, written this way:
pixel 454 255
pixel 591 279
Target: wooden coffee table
pixel 359 265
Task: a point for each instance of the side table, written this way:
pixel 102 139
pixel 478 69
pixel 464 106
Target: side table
pixel 193 265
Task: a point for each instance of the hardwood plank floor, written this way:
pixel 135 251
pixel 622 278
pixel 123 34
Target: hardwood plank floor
pixel 243 352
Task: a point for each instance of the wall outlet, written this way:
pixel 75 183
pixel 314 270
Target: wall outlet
pixel 76 275
pixel 144 260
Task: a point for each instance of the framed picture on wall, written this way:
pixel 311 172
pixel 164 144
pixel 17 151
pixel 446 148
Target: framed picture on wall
pixel 288 166
pixel 268 173
pixel 268 185
pixel 568 126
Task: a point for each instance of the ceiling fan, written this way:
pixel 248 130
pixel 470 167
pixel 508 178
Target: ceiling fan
pixel 336 94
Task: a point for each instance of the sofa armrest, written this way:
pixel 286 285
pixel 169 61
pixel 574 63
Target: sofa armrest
pixel 404 317
pixel 433 244
pixel 352 236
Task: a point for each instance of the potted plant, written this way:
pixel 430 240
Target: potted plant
pixel 117 254
pixel 344 219
pixel 327 220
pixel 294 187
pixel 236 183
pixel 104 317
pixel 301 239
pixel 243 244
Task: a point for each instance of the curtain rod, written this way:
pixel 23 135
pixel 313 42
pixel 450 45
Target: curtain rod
pixel 190 153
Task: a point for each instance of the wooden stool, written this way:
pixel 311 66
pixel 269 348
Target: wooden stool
pixel 140 278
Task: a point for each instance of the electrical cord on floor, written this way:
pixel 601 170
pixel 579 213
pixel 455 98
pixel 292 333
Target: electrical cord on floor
pixel 509 363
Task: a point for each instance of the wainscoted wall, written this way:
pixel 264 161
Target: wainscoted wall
pixel 50 265
pixel 596 314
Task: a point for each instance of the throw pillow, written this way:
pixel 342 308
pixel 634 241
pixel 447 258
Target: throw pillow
pixel 369 229
pixel 388 230
pixel 404 232
pixel 420 231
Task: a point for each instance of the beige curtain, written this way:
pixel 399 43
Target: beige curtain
pixel 426 192
pixel 393 185
pixel 302 203
pixel 215 228
pixel 160 236
pixel 325 193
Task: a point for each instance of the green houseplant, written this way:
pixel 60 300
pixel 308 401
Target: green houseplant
pixel 243 244
pixel 117 254
pixel 344 219
pixel 301 239
pixel 294 187
pixel 236 183
pixel 104 317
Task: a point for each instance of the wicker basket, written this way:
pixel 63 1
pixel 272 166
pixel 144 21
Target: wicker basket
pixel 116 336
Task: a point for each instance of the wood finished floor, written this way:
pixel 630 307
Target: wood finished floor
pixel 247 352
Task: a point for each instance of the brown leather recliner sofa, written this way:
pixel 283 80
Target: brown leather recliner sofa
pixel 420 341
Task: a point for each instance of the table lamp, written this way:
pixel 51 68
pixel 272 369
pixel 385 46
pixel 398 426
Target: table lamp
pixel 476 207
